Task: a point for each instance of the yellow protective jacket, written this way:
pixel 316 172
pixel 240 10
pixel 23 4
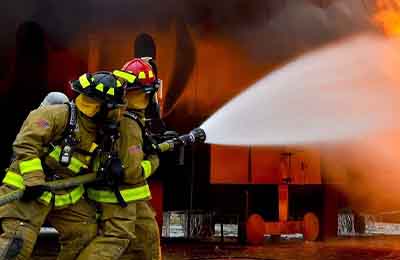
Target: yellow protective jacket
pixel 37 154
pixel 137 166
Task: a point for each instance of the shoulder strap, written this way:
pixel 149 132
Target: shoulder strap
pixel 68 142
pixel 67 137
pixel 72 115
pixel 72 121
pixel 148 140
pixel 132 115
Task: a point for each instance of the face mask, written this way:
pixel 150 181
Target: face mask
pixel 88 106
pixel 137 99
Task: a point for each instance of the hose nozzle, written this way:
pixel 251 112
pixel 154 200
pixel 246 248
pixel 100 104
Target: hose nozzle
pixel 197 135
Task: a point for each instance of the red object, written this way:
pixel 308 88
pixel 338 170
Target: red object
pixel 265 165
pixel 136 67
pixel 234 172
pixel 283 190
pixel 311 226
pixel 255 229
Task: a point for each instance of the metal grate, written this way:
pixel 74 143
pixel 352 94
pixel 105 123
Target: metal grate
pixel 197 224
pixel 346 224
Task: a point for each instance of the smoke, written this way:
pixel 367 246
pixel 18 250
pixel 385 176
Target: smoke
pixel 367 171
pixel 65 20
pixel 301 26
pixel 257 25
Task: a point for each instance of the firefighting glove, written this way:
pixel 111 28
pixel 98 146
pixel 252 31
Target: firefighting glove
pixel 117 170
pixel 149 144
pixel 33 192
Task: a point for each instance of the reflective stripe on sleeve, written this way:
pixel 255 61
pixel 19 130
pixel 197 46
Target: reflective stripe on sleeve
pixel 14 179
pixel 46 197
pixel 146 166
pixel 30 166
pixel 75 165
pixel 69 198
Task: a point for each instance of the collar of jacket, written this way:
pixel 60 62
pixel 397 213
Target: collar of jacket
pixel 86 123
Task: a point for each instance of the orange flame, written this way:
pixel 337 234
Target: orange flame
pixel 387 16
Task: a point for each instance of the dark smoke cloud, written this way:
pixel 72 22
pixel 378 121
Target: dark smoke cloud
pixel 64 20
pixel 254 23
pixel 269 31
pixel 300 26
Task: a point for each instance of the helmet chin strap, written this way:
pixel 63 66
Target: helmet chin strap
pixel 153 106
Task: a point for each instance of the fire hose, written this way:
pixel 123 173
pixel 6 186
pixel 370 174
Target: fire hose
pixel 197 135
pixel 51 186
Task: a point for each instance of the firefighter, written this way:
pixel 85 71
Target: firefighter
pixel 56 142
pixel 129 229
pixel 141 96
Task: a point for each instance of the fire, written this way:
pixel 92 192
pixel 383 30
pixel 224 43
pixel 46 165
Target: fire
pixel 387 16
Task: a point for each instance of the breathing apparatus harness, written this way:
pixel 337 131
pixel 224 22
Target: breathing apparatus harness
pixel 67 144
pixel 69 141
pixel 149 139
pixel 110 172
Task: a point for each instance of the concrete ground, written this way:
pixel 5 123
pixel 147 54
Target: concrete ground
pixel 365 248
